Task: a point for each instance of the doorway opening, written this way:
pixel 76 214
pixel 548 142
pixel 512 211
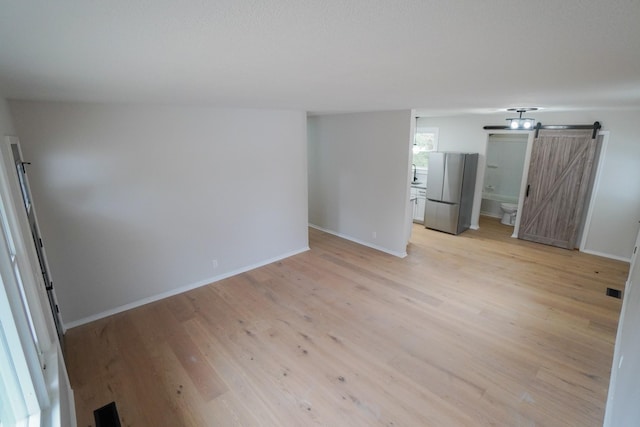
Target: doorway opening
pixel 505 158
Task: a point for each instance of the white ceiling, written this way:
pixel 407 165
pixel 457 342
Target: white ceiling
pixel 325 55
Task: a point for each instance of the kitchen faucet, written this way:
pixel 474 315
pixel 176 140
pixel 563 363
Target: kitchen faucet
pixel 415 176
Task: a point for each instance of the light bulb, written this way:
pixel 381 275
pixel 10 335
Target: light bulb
pixel 515 123
pixel 527 124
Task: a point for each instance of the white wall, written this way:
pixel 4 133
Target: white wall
pixel 136 202
pixel 617 198
pixel 624 393
pixel 504 164
pixel 359 176
pixel 6 124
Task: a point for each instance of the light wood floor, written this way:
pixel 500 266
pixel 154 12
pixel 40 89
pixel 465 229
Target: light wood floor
pixel 471 330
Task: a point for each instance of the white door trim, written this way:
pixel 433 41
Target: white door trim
pixel 594 190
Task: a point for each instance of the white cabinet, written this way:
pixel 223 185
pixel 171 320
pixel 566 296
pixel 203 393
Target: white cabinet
pixel 414 202
pixel 420 195
pixel 422 200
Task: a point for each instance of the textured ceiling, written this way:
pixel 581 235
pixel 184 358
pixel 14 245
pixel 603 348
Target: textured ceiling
pixel 325 55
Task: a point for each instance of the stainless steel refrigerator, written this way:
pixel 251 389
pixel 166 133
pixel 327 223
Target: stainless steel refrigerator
pixel 451 183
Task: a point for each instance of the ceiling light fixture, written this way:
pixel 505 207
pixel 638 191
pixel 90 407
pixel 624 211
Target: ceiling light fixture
pixel 521 122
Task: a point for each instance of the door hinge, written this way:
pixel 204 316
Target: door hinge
pixel 40 240
pixel 50 287
pixel 635 249
pixel 528 188
pixel 57 310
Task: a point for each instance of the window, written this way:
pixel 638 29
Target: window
pixel 22 386
pixel 425 141
pixel 25 337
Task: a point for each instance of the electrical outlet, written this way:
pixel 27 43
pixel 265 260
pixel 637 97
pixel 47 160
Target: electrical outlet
pixel 215 263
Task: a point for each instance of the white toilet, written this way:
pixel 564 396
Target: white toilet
pixel 509 211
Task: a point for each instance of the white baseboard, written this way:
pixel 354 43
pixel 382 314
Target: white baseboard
pixel 618 258
pixel 474 227
pixel 490 214
pixel 179 290
pixel 360 242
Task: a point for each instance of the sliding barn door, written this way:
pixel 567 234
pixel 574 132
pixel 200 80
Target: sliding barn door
pixel 559 177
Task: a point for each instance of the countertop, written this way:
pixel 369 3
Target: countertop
pixel 418 184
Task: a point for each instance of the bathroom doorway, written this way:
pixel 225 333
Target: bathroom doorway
pixel 505 158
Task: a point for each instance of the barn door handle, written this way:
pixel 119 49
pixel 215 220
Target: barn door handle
pixel 528 187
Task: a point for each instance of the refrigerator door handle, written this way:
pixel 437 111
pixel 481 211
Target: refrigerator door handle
pixel 442 202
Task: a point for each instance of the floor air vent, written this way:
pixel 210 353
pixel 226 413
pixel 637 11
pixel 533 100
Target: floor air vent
pixel 614 293
pixel 107 416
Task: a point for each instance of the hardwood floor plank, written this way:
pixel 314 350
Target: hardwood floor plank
pixel 472 330
pixel 94 354
pixel 201 373
pixel 346 366
pixel 151 403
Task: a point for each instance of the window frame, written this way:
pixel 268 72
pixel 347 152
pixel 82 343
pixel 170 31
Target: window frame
pixel 23 374
pixel 28 350
pixel 425 130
